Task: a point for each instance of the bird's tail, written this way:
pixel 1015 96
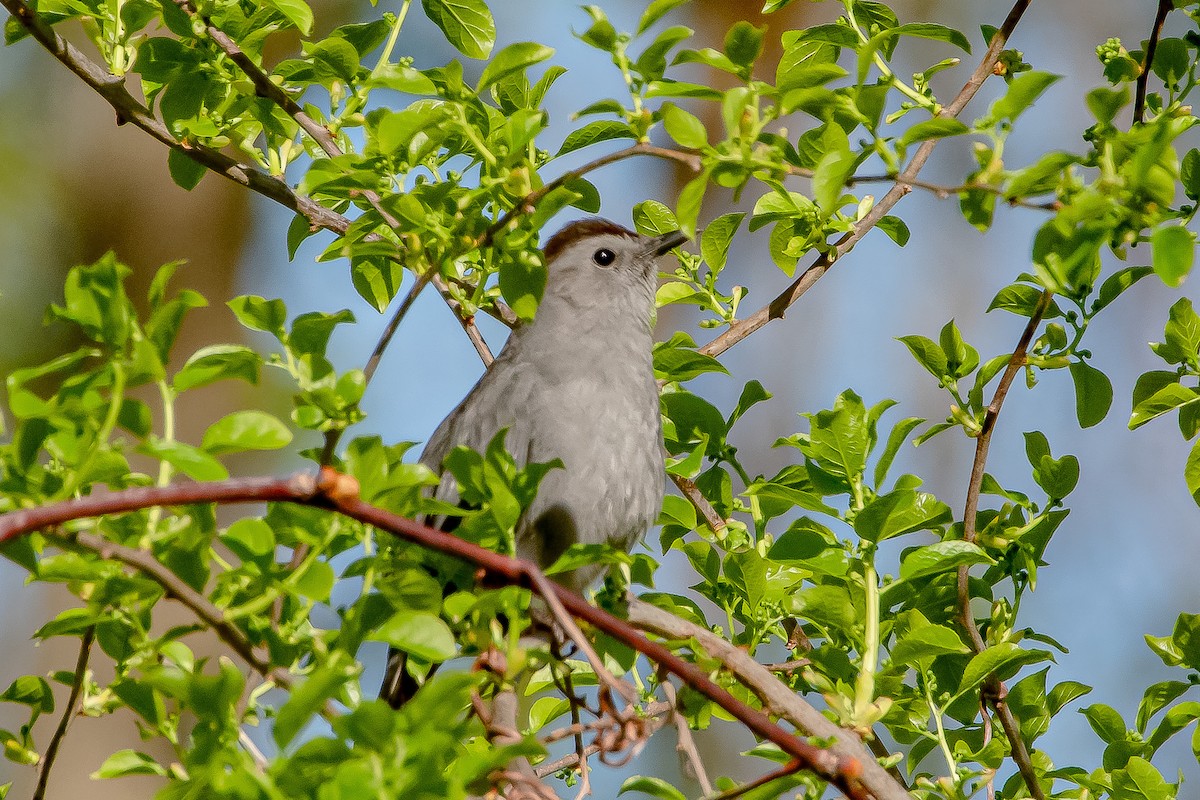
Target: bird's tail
pixel 399 685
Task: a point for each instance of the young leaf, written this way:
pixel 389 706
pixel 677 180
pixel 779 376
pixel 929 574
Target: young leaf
pixel 1093 393
pixel 246 430
pixel 515 57
pixel 467 24
pixel 1172 253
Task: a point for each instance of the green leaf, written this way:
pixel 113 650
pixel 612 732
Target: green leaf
pixel 900 512
pixel 655 787
pixel 1057 477
pixel 296 12
pixel 1155 698
pixel 1172 253
pixel 895 228
pixel 259 314
pixel 218 362
pixel 246 430
pixel 927 353
pixel 1114 285
pixel 1191 472
pixel 418 633
pixel 675 363
pixel 941 557
pixel 325 682
pixel 1002 660
pixel 716 238
pixel 839 437
pixel 1189 174
pixel 515 57
pixel 315 582
pixel 1022 92
pixel 250 537
pixel 467 24
pixel 655 11
pixel 926 643
pixel 936 128
pixel 191 461
pixel 687 209
pixel 934 31
pixel 1093 393
pixel 32 691
pixel 522 283
pixel 184 171
pixel 601 130
pixel 744 43
pixel 1168 398
pixel 683 127
pixel 896 438
pixel 752 394
pixel 128 762
pixel 1106 722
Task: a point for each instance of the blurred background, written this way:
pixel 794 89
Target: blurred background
pixel 73 185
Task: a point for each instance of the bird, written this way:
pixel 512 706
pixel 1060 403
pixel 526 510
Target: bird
pixel 576 383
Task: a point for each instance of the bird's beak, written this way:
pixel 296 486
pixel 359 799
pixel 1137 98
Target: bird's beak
pixel 662 244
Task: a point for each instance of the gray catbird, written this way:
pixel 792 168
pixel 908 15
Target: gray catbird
pixel 576 384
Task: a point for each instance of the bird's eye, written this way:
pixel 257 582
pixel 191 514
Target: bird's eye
pixel 604 257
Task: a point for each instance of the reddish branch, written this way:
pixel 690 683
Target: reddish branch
pixel 1160 18
pixel 993 690
pixel 340 493
pixel 903 185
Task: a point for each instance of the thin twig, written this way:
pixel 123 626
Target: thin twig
pixel 529 202
pixel 112 89
pixel 686 743
pixel 543 586
pixel 777 307
pixel 81 663
pixel 790 768
pixel 199 605
pixel 263 84
pixel 966 618
pixel 944 192
pixel 688 489
pixel 1160 17
pixel 340 493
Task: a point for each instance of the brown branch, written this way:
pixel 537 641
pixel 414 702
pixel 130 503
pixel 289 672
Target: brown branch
pixel 1160 17
pixel 688 488
pixel 777 307
pixel 81 663
pixel 776 697
pixel 685 743
pixel 263 85
pixel 340 493
pixel 966 619
pixel 201 606
pixel 112 89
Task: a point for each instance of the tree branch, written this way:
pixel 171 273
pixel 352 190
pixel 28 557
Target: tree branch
pixel 81 663
pixel 201 606
pixel 993 689
pixel 340 493
pixel 1160 18
pixel 777 307
pixel 943 192
pixel 777 698
pixel 129 109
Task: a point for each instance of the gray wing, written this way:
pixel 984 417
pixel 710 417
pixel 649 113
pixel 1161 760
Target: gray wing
pixel 501 399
